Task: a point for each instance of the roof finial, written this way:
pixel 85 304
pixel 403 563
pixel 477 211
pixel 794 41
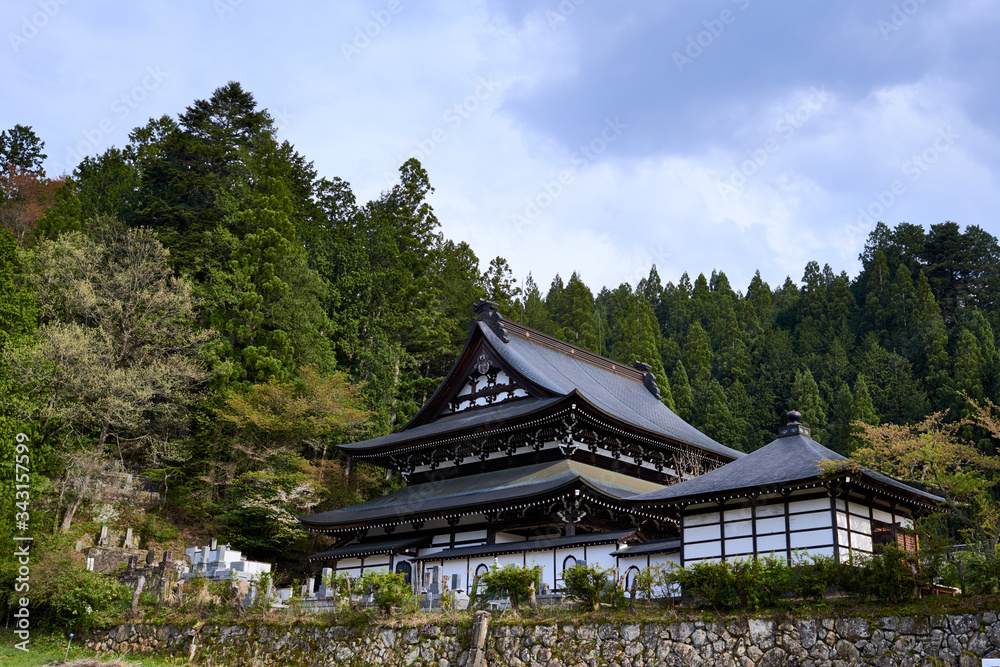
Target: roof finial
pixel 648 379
pixel 486 312
pixel 793 425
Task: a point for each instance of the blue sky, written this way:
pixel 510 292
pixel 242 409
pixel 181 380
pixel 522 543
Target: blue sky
pixel 568 135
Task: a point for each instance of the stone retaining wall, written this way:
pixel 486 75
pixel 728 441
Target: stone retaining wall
pixel 936 640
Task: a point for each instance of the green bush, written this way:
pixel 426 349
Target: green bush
pixel 65 594
pixel 388 590
pixel 811 578
pixel 981 569
pixel 154 530
pixel 592 585
pixel 751 583
pixel 510 581
pixel 654 582
pixel 889 576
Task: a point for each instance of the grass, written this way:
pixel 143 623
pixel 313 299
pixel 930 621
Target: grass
pixel 48 648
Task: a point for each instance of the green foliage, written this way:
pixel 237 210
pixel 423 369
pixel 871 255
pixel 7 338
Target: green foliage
pixel 66 595
pixel 981 569
pixel 153 529
pixel 389 590
pixel 747 584
pixel 510 581
pixel 592 585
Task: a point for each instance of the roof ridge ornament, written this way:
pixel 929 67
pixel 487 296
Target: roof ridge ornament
pixel 793 425
pixel 648 379
pixel 486 312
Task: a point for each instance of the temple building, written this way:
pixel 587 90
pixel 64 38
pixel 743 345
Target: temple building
pixel 791 497
pixel 535 452
pixel 526 454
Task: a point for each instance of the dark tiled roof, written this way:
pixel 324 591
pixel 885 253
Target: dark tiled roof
pixel 783 462
pixel 466 494
pixel 461 421
pixel 528 545
pixel 560 369
pixel 358 550
pixel 643 548
pixel 619 394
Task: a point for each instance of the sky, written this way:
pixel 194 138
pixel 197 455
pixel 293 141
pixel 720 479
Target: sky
pixel 567 135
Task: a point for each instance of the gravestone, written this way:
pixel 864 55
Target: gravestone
pixel 150 557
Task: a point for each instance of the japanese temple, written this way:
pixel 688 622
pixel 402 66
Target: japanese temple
pixel 792 496
pixel 535 452
pixel 525 454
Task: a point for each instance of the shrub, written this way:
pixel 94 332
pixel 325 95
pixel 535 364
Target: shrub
pixel 981 570
pixel 154 530
pixel 66 594
pixel 811 578
pixel 750 583
pixel 654 582
pixel 388 590
pixel 592 585
pixel 889 576
pixel 510 581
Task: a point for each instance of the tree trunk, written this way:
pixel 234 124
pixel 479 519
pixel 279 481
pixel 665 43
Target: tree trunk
pixel 85 484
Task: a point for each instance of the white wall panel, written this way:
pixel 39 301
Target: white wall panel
pixel 905 522
pixel 771 510
pixel 863 542
pixel 812 538
pixel 700 533
pixel 706 550
pixel 507 538
pixel 881 515
pixel 860 510
pixel 841 520
pixel 767 543
pixel 861 525
pixel 771 525
pixel 841 505
pixel 842 538
pixel 813 505
pixel 739 529
pixel 742 545
pixel 806 521
pixel 738 514
pixel 691 520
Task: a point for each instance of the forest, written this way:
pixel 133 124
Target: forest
pixel 203 309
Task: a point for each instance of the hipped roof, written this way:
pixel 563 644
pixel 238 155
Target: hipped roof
pixel 479 493
pixel 549 369
pixel 785 462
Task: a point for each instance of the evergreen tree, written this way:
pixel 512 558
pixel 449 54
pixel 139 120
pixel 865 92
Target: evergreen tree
pixel 698 360
pixel 840 424
pixel 502 289
pixel 806 399
pixel 577 320
pixel 683 397
pixel 536 313
pixel 862 410
pixel 717 420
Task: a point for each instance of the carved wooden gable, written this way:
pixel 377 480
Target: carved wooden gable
pixel 486 384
